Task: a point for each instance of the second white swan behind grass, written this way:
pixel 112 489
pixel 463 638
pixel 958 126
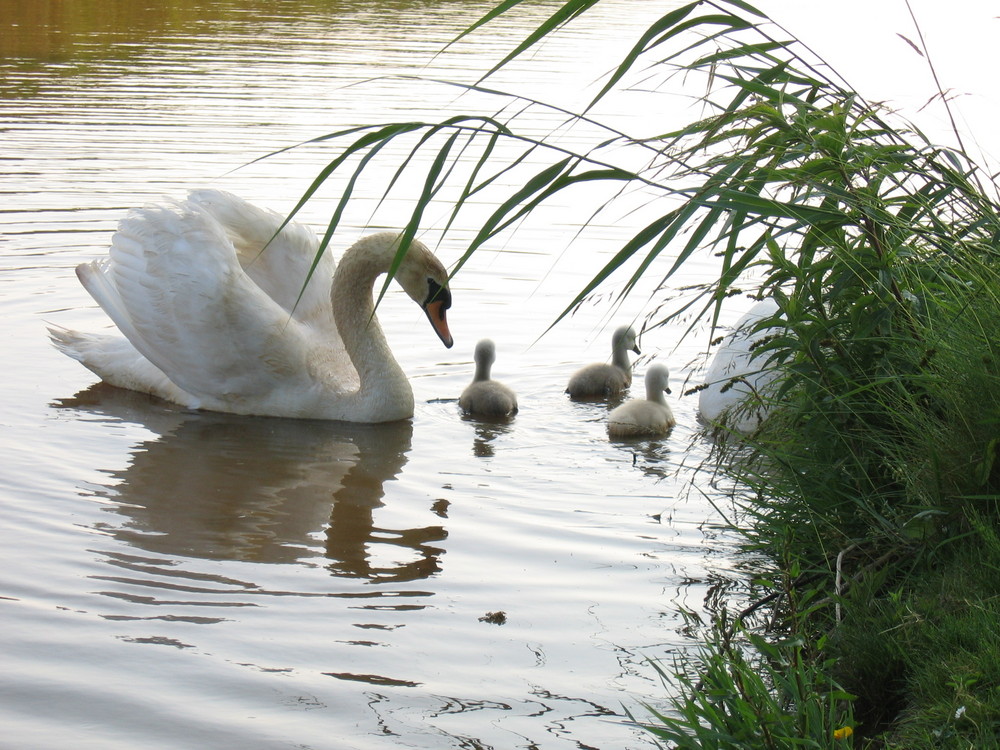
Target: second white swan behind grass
pixel 738 383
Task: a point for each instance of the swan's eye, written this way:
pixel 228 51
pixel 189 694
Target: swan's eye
pixel 438 293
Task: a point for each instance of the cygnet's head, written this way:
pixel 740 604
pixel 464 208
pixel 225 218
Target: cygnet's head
pixel 486 353
pixel 624 338
pixel 657 379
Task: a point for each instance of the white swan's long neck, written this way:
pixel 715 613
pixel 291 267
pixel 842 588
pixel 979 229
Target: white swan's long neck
pixel 384 393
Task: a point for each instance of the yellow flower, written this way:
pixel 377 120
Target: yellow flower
pixel 843 733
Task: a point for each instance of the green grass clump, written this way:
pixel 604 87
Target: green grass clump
pixel 929 649
pixel 751 692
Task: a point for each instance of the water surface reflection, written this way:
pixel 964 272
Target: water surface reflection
pixel 487 431
pixel 262 490
pixel 86 30
pixel 199 580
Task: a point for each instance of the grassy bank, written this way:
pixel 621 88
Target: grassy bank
pixel 873 486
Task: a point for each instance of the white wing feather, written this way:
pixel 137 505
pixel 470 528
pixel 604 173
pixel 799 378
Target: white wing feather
pixel 278 264
pixel 174 286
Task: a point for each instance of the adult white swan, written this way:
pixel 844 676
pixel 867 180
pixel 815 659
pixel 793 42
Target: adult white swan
pixel 737 384
pixel 214 321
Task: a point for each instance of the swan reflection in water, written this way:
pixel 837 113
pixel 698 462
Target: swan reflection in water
pixel 259 489
pixel 488 429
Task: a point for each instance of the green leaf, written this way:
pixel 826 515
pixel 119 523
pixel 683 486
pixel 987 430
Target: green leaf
pixel 563 15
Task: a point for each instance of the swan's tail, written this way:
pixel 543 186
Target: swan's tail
pixel 99 353
pixel 115 361
pixel 71 343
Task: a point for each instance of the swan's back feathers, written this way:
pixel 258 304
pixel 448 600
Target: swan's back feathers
pixel 174 286
pixel 739 380
pixel 278 264
pixel 96 279
pixel 649 416
pixel 488 398
pixel 640 417
pixel 598 380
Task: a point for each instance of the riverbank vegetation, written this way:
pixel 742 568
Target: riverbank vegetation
pixel 871 491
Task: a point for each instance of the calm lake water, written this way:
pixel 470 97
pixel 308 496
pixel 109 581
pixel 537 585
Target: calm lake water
pixel 186 580
pixel 191 580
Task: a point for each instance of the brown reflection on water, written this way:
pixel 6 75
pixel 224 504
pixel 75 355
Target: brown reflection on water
pixel 221 487
pixel 487 431
pixel 81 30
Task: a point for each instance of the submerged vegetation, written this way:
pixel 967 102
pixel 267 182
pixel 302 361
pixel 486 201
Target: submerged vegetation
pixel 872 489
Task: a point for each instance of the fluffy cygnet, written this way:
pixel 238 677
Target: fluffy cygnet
pixel 600 379
pixel 484 397
pixel 649 416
